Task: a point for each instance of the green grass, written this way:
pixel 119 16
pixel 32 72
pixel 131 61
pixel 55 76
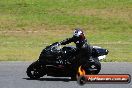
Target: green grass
pixel 27 26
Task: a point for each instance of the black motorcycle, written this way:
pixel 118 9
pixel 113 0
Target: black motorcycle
pixel 61 62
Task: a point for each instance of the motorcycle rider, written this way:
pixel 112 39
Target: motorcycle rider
pixel 83 48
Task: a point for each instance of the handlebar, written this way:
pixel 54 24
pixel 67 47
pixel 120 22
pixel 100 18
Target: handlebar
pixel 56 47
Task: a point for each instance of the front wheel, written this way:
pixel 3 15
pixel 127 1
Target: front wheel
pixel 35 70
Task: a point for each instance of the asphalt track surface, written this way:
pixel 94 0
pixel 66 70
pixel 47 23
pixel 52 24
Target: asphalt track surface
pixel 13 75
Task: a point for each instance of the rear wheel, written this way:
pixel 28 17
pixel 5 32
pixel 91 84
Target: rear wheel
pixel 93 67
pixel 81 80
pixel 35 70
pixel 89 68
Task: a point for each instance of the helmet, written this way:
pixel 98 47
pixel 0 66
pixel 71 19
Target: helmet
pixel 79 33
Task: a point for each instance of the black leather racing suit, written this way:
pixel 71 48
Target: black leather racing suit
pixel 83 48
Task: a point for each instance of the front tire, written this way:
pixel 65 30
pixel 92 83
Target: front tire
pixel 35 70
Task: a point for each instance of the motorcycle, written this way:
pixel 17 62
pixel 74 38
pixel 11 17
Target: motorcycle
pixel 59 61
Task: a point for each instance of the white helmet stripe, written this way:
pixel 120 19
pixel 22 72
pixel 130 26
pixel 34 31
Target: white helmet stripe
pixel 77 33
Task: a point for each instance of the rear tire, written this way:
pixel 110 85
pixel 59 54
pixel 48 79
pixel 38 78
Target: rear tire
pixel 98 66
pixel 35 70
pixel 81 80
pixel 92 67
